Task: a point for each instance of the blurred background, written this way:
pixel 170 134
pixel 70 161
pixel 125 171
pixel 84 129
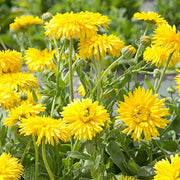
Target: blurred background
pixel 119 11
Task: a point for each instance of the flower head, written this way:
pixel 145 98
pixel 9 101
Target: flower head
pixel 70 25
pixel 159 55
pixel 150 17
pixel 121 177
pixel 10 61
pixel 142 113
pixel 37 60
pixel 10 167
pixel 24 23
pixel 47 127
pixel 9 98
pixel 26 110
pixel 166 36
pixel 100 44
pixel 18 81
pixel 128 51
pixel 85 118
pixel 166 170
pixel 81 90
pixel 177 80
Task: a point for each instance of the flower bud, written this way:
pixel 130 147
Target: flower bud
pixel 171 90
pixel 145 41
pixel 46 16
pixel 65 41
pixel 44 100
pixel 23 96
pixel 128 51
pixel 119 124
pixel 156 73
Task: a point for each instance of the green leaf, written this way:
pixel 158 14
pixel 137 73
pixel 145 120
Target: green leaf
pixel 78 155
pixel 170 145
pixel 116 154
pixel 34 96
pixel 146 171
pixel 148 83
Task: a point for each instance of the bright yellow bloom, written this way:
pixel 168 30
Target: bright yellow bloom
pixel 177 80
pixel 23 23
pixel 10 168
pixel 142 113
pixel 47 127
pixel 70 25
pixel 26 110
pixel 37 60
pixel 124 178
pixel 8 98
pixel 100 44
pixel 166 170
pixel 167 36
pixel 85 118
pixel 159 55
pixel 10 61
pixel 18 81
pixel 81 90
pixel 150 17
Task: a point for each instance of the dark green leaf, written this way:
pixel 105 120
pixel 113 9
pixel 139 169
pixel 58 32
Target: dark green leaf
pixel 170 145
pixel 78 155
pixel 146 171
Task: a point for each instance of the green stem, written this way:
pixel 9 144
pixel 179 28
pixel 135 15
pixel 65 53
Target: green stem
pixel 156 83
pixel 163 73
pixel 45 160
pixel 29 38
pixel 25 151
pixel 36 160
pixel 70 70
pixel 98 75
pixel 20 43
pixel 105 72
pixel 75 144
pixel 3 45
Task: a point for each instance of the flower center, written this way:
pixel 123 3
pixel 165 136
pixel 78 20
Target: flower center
pixel 87 115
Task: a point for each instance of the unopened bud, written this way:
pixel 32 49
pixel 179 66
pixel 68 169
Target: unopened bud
pixel 156 73
pixel 119 124
pixel 44 100
pixel 46 16
pixel 23 96
pixel 145 41
pixel 65 41
pixel 171 90
pixel 128 51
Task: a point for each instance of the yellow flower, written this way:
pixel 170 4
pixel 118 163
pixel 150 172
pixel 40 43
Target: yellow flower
pixel 150 17
pixel 10 61
pixel 18 81
pixel 81 90
pixel 37 60
pixel 10 168
pixel 85 118
pixel 142 113
pixel 177 80
pixel 70 25
pixel 159 55
pixel 124 178
pixel 8 98
pixel 26 110
pixel 166 170
pixel 24 23
pixel 47 127
pixel 100 44
pixel 166 36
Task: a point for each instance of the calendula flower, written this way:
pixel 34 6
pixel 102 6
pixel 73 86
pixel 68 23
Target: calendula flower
pixel 100 45
pixel 50 129
pixel 26 110
pixel 150 17
pixel 18 81
pixel 70 25
pixel 9 98
pixel 142 112
pixel 85 119
pixel 121 177
pixel 81 90
pixel 10 168
pixel 37 60
pixel 10 61
pixel 168 170
pixel 177 80
pixel 159 55
pixel 23 23
pixel 167 36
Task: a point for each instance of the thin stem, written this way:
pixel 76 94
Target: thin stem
pixel 20 43
pixel 98 75
pixel 36 160
pixel 163 73
pixel 3 45
pixel 105 72
pixel 156 83
pixel 70 70
pixel 45 160
pixel 25 151
pixel 75 145
pixel 29 38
